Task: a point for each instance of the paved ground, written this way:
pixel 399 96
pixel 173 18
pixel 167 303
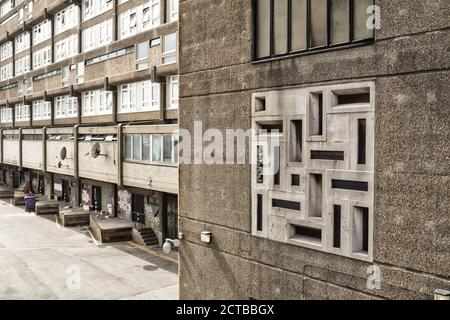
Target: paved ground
pixel 40 259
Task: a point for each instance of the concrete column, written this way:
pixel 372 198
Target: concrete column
pixel 20 149
pixel 115 21
pixel 1 146
pixel 13 56
pixel 120 155
pixel 75 151
pixel 52 36
pixel 30 106
pixel 49 184
pixel 115 200
pixel 114 105
pixel 13 107
pixel 44 150
pixel 80 32
pixel 163 100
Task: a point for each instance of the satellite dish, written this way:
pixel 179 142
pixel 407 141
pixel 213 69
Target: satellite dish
pixel 63 154
pixel 95 151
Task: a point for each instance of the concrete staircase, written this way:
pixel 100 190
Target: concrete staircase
pixel 146 237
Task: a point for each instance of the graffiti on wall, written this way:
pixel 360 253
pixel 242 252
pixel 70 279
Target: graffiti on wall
pixel 152 216
pixel 124 204
pixel 86 199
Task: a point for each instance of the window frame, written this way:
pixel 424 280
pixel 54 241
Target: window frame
pixel 309 49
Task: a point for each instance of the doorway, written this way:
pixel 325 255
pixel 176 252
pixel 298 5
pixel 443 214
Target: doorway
pixel 16 179
pixel 138 210
pixel 97 198
pixel 41 185
pixel 172 216
pixel 65 190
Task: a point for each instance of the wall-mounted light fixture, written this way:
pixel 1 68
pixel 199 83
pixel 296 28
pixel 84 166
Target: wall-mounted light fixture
pixel 170 244
pixel 440 294
pixel 206 236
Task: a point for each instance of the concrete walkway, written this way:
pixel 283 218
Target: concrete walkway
pixel 39 259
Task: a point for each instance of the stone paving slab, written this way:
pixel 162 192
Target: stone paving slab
pixel 40 259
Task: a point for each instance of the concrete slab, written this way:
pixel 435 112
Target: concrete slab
pixel 41 260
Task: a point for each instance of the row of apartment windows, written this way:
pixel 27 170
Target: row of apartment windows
pixel 151 148
pixel 68 47
pixel 132 21
pixel 139 18
pixel 134 97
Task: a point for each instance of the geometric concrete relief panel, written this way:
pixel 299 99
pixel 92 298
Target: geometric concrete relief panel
pixel 313 167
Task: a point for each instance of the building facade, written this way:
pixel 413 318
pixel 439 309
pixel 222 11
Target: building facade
pixel 349 99
pixel 89 105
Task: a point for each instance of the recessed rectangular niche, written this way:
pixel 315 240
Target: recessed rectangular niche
pixel 350 185
pixel 336 226
pixel 327 155
pixel 360 230
pixel 259 213
pixel 285 204
pixel 272 127
pixel 260 104
pixel 352 96
pixel 277 166
pixel 362 141
pixel 316 114
pixel 306 234
pixel 260 164
pixel 296 138
pixel 315 195
pixel 295 180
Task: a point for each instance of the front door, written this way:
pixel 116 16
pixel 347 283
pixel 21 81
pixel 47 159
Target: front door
pixel 172 216
pixel 16 179
pixel 97 198
pixel 138 210
pixel 65 190
pixel 41 185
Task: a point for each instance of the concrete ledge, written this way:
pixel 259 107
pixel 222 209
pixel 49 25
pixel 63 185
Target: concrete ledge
pixel 47 207
pixel 74 217
pixel 111 230
pixel 19 198
pixel 6 192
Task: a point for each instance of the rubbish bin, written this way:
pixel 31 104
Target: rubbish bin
pixel 30 202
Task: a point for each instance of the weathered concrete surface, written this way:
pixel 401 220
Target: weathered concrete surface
pixel 36 255
pixel 409 63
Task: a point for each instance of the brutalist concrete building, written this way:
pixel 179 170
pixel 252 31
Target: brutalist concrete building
pixel 351 99
pixel 89 106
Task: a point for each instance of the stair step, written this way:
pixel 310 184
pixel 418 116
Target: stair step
pixel 148 235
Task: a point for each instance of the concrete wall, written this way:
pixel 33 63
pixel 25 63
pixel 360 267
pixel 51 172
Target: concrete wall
pixel 54 162
pixel 409 66
pixel 32 156
pixel 158 178
pixel 102 168
pixel 11 157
